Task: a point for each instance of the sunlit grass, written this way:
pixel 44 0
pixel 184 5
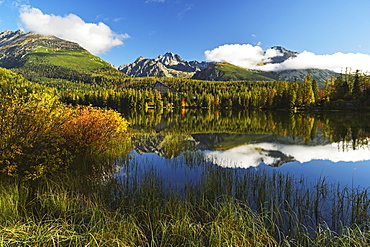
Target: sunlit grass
pixel 226 207
pixel 79 60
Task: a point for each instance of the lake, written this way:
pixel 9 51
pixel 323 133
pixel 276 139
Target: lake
pixel 333 146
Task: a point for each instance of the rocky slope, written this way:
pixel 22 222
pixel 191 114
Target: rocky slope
pixel 167 65
pixel 284 55
pixel 320 75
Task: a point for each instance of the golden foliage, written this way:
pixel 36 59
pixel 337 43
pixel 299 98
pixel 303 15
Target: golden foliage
pixel 93 129
pixel 39 135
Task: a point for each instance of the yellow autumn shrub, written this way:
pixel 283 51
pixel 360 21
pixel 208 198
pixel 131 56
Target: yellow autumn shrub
pixel 30 140
pixel 96 136
pixel 95 130
pixel 39 135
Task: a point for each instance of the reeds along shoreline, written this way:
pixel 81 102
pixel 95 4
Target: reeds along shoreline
pixel 226 207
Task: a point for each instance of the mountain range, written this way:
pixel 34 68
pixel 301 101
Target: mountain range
pixel 52 57
pixel 172 65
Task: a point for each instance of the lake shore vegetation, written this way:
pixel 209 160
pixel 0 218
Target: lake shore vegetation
pixel 225 207
pixel 58 162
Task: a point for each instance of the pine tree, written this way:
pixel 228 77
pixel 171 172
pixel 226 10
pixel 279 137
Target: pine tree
pixel 356 85
pixel 308 97
pixel 315 89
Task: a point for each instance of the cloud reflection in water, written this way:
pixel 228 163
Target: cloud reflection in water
pixel 350 167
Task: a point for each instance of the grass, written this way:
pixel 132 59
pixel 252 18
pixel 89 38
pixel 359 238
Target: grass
pixel 226 207
pixel 67 65
pixel 78 60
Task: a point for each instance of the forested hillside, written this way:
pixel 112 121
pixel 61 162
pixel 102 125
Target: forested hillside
pixel 350 91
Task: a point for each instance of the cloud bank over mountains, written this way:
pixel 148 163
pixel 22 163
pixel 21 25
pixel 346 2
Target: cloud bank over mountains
pixel 96 38
pixel 254 57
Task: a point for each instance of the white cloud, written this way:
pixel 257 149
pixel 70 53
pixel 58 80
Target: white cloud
pixel 337 62
pixel 248 56
pixel 187 8
pixel 18 3
pixel 117 19
pixel 96 38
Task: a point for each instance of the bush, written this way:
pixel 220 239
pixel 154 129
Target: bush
pixel 96 136
pixel 40 135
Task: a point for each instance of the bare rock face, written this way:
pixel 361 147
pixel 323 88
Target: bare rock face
pixel 210 73
pixel 284 55
pixel 167 65
pixel 320 75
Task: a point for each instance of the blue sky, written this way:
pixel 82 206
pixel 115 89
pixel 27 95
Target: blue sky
pixel 126 29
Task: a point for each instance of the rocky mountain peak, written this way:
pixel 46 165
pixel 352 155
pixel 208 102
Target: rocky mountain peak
pixel 282 49
pixel 139 59
pixel 169 59
pixel 167 65
pixel 7 36
pixel 283 54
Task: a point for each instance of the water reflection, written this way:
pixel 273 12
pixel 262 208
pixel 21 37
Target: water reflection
pixel 275 154
pixel 349 168
pixel 175 173
pixel 332 145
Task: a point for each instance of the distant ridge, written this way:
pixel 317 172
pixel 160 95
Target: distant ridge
pixel 172 65
pixel 167 65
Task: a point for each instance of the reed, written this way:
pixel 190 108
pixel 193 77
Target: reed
pixel 226 207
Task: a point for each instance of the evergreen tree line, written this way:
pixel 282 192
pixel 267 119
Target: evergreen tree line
pixel 138 93
pixel 39 72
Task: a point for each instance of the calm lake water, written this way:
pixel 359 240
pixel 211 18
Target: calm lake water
pixel 333 145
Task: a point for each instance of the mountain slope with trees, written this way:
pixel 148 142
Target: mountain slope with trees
pixel 228 72
pixel 81 78
pixel 38 56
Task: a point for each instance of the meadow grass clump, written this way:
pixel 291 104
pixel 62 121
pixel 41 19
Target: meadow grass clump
pixel 226 207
